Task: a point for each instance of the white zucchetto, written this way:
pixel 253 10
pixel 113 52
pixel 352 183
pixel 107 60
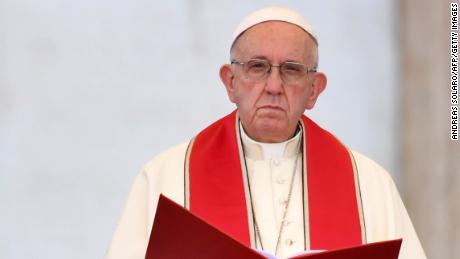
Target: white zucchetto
pixel 273 14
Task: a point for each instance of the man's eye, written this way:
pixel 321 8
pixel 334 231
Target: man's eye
pixel 292 68
pixel 257 67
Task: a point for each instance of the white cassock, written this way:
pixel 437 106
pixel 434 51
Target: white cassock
pixel 270 168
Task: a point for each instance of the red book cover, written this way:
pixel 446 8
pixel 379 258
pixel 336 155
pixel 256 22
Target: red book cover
pixel 178 234
pixel 378 250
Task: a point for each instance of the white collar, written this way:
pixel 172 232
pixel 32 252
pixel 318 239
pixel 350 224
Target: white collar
pixel 259 150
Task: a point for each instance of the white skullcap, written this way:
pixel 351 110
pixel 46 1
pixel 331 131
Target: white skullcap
pixel 273 14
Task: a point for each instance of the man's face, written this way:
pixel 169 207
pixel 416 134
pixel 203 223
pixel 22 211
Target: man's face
pixel 270 109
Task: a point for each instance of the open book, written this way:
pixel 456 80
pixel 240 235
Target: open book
pixel 178 234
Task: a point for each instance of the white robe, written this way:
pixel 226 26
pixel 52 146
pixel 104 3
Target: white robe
pixel 384 213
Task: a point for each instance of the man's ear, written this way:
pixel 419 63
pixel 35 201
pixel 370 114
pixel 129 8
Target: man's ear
pixel 226 75
pixel 318 84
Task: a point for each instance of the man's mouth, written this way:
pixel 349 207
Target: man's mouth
pixel 271 107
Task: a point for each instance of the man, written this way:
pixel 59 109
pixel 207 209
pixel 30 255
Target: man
pixel 265 174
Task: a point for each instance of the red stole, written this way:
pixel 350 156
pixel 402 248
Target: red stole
pixel 217 186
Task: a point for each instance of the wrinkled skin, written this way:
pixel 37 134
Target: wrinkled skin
pixel 269 110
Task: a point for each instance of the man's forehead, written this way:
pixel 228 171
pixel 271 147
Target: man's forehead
pixel 264 39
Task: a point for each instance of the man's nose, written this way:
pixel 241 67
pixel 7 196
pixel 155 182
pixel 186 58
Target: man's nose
pixel 274 83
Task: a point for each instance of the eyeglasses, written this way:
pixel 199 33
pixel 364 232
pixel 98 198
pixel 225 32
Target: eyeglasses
pixel 258 70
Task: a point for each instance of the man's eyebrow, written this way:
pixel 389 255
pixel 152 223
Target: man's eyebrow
pixel 259 57
pixel 266 58
pixel 293 61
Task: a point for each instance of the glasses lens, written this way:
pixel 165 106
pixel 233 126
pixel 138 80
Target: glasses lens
pixel 293 72
pixel 256 69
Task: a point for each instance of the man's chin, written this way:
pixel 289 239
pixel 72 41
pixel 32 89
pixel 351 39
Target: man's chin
pixel 270 121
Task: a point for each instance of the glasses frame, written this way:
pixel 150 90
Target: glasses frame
pixel 279 66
